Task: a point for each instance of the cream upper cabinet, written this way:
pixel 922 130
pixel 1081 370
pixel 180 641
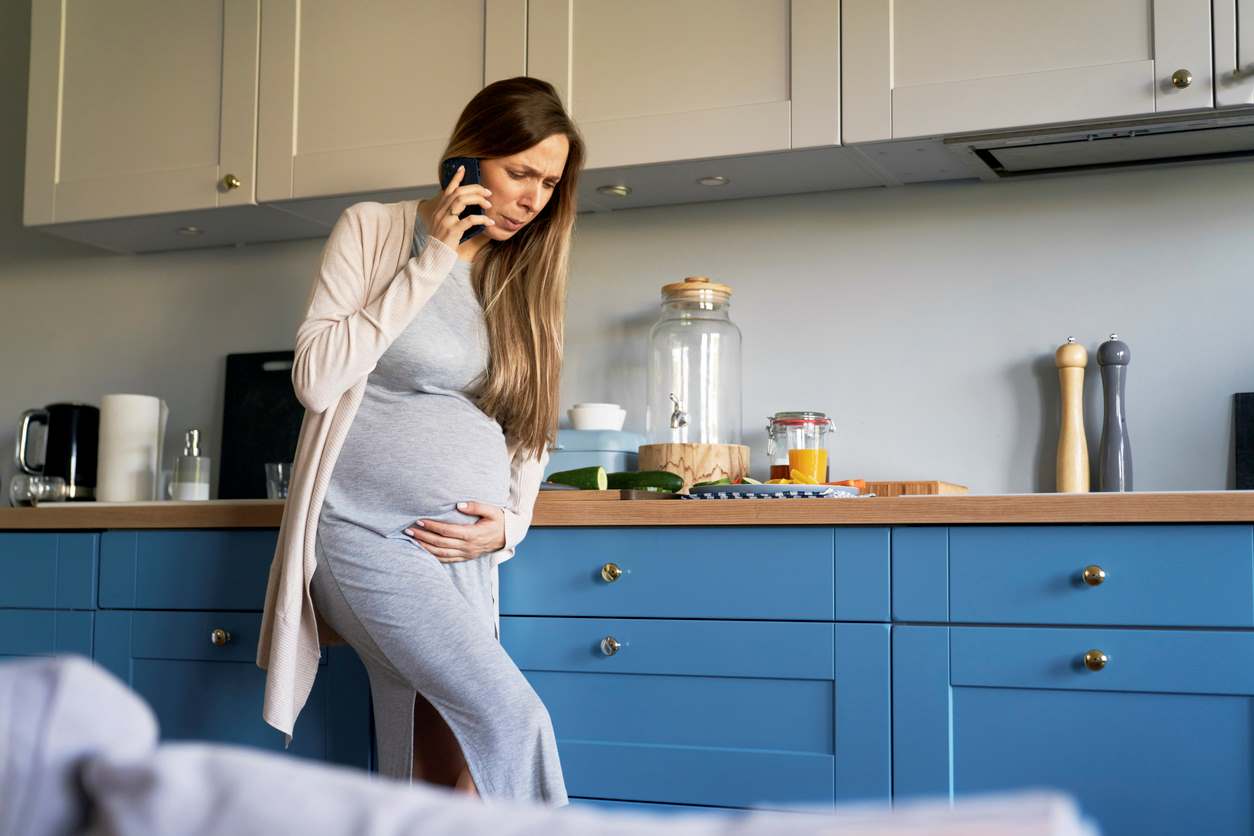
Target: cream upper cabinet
pixel 931 67
pixel 652 81
pixel 362 96
pixel 139 107
pixel 1234 52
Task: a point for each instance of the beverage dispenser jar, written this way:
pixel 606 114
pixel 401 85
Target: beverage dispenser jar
pixel 694 367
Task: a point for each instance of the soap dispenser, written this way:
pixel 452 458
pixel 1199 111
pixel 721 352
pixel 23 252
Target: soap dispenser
pixel 190 479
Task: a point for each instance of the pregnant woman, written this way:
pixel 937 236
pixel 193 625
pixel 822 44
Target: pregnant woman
pixel 429 368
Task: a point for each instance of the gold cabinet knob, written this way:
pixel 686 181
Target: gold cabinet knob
pixel 1094 575
pixel 610 645
pixel 1181 79
pixel 219 637
pixel 231 182
pixel 1095 660
pixel 611 572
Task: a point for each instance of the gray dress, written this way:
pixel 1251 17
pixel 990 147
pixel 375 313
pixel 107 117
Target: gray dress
pixel 417 446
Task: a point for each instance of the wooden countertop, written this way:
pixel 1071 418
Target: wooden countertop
pixel 561 509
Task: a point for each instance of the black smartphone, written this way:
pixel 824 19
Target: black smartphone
pixel 448 168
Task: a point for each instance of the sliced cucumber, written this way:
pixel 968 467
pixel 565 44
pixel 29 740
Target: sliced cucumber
pixel 712 482
pixel 645 479
pixel 584 478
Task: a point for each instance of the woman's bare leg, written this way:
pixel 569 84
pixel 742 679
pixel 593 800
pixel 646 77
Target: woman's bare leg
pixel 438 757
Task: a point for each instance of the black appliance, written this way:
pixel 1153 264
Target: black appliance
pixel 71 444
pixel 1243 422
pixel 261 421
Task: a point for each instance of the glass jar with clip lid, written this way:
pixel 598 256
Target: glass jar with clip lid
pixel 798 442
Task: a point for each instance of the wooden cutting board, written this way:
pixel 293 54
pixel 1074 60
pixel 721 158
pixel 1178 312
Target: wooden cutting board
pixel 923 488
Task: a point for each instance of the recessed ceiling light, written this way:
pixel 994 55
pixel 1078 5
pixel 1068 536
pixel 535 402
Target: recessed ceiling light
pixel 715 180
pixel 190 231
pixel 614 191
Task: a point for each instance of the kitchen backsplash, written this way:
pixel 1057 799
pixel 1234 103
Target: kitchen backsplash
pixel 923 319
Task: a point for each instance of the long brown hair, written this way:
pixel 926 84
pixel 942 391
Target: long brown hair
pixel 522 282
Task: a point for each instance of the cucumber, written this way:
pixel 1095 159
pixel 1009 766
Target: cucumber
pixel 723 481
pixel 644 480
pixel 584 478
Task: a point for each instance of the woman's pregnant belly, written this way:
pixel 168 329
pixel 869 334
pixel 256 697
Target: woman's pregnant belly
pixel 416 455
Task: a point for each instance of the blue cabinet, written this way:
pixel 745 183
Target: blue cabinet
pixel 47 593
pixel 1107 690
pixel 1158 741
pixel 196 670
pixel 724 667
pixel 178 621
pixel 736 667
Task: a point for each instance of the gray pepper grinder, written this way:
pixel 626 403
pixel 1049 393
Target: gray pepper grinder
pixel 1115 451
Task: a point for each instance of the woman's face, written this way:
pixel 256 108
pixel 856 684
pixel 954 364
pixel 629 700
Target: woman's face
pixel 522 184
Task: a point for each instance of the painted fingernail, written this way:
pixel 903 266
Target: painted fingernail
pixel 421 524
pixel 461 506
pixel 487 191
pixel 410 532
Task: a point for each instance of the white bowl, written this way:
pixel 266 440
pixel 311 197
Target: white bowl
pixel 597 416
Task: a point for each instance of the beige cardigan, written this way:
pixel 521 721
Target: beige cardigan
pixel 368 290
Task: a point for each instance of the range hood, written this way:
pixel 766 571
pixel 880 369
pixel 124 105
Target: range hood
pixel 1124 144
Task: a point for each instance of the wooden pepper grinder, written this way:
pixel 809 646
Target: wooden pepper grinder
pixel 1114 453
pixel 1073 451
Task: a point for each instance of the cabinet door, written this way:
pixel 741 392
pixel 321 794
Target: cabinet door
pixel 654 81
pixel 207 691
pixel 1234 52
pixel 718 713
pixel 140 107
pixel 361 97
pixel 931 67
pixel 1158 741
pixel 44 633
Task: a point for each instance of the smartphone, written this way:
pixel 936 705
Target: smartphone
pixel 448 169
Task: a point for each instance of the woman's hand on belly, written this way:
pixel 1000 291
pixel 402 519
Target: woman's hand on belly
pixel 453 543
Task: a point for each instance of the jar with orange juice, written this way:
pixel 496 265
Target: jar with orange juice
pixel 797 441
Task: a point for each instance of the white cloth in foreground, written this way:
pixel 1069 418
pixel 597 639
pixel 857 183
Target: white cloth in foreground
pixel 79 754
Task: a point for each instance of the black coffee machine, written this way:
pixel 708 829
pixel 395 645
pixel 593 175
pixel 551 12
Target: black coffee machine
pixel 71 444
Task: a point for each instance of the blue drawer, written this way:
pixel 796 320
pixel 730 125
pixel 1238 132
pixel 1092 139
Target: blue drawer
pixel 53 571
pixel 1155 575
pixel 1151 661
pixel 720 713
pixel 186 570
pixel 716 572
pixel 45 632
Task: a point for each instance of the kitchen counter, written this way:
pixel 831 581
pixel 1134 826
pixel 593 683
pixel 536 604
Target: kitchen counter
pixel 562 509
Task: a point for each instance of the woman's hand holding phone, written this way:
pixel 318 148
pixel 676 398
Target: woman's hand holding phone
pixel 447 227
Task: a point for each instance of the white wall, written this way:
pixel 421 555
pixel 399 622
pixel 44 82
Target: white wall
pixel 925 318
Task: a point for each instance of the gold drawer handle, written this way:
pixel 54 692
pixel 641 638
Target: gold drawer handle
pixel 219 637
pixel 1094 575
pixel 611 572
pixel 231 182
pixel 610 645
pixel 1181 79
pixel 1095 660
